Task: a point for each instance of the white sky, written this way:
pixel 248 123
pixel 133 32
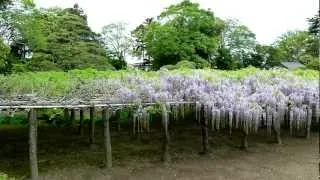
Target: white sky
pixel 268 19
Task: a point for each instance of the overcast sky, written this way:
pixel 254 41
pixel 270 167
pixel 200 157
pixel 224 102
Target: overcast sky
pixel 268 19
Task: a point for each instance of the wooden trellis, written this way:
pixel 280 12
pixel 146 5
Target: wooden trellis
pixel 106 110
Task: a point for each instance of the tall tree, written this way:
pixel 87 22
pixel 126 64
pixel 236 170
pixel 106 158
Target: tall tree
pixel 118 42
pixel 182 32
pixel 69 43
pixel 239 40
pixel 265 56
pixel 314 24
pixel 139 44
pixel 295 46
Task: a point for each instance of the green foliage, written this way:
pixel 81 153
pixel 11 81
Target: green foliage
pixel 4 52
pixel 301 46
pixel 186 65
pixel 265 57
pixel 294 45
pixel 182 32
pixel 225 60
pixel 314 63
pixel 17 119
pixel 169 67
pixel 201 63
pixel 314 25
pixel 5 177
pixel 4 4
pixel 59 39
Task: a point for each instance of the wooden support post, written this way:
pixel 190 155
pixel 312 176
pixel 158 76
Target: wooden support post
pixel 204 131
pixel 309 120
pixel 106 114
pixel 81 122
pixel 66 114
pixel 291 122
pixel 276 126
pixel 33 144
pixel 230 118
pixel 165 121
pixel 72 118
pixel 92 126
pixel 118 116
pixel 245 131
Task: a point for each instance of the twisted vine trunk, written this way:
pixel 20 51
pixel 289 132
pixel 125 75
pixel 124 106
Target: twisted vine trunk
pixel 33 144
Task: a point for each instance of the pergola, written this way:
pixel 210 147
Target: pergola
pixel 105 109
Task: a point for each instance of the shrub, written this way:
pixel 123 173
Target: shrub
pixel 201 63
pixel 186 64
pixel 169 67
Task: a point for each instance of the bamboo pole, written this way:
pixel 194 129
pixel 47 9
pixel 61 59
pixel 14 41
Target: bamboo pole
pixel 92 126
pixel 33 144
pixel 107 138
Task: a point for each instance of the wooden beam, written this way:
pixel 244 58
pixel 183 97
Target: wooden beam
pixel 106 104
pixel 92 126
pixel 33 144
pixel 106 114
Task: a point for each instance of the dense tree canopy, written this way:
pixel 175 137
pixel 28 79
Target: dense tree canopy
pixel 55 39
pixel 298 46
pixel 314 22
pixel 239 40
pixel 33 39
pixel 182 32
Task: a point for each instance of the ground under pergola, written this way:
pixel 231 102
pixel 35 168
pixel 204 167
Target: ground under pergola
pixel 105 110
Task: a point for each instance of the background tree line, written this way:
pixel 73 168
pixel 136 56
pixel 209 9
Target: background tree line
pixel 33 39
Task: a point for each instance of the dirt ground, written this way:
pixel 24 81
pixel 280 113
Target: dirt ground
pixel 64 155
